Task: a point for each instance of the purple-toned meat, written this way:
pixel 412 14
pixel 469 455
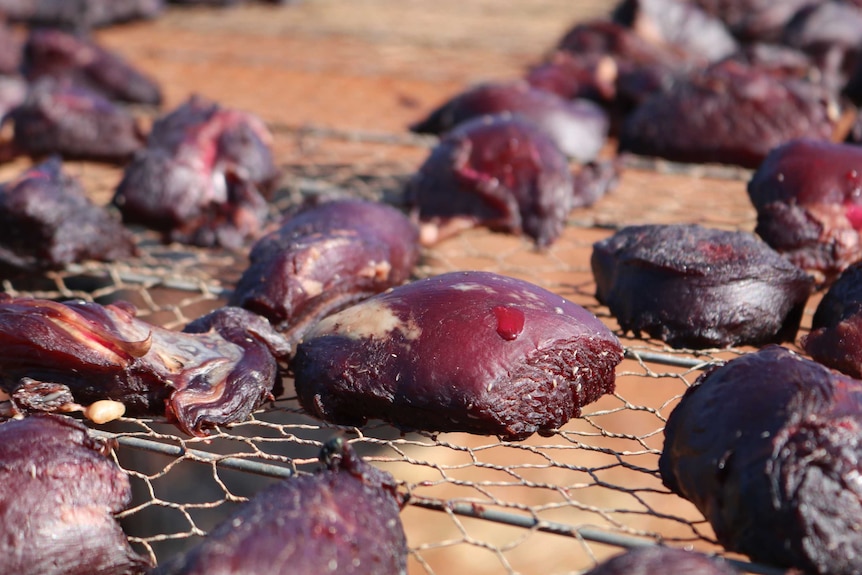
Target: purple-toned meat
pixel 679 24
pixel 325 258
pixel 58 493
pixel 501 172
pixel 572 76
pixel 47 222
pixel 808 197
pixel 343 519
pixel 203 177
pixel 79 14
pixel 835 339
pixel 728 113
pixel 579 128
pixel 768 448
pixel 75 122
pixel 464 351
pixel 197 380
pixel 658 560
pixel 80 61
pixel 755 20
pixel 696 287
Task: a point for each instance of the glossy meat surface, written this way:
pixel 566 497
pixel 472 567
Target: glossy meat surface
pixel 835 339
pixel 503 173
pixel 58 494
pixel 47 222
pixel 203 178
pixel 325 258
pixel 755 20
pixel 464 351
pixel 64 56
pixel 197 380
pixel 661 561
pixel 578 127
pixel 698 287
pixel 343 519
pixel 768 447
pixel 58 117
pixel 79 14
pixel 728 113
pixel 808 197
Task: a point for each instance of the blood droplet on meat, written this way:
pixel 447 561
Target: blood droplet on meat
pixel 510 322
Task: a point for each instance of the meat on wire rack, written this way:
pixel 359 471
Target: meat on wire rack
pixel 578 496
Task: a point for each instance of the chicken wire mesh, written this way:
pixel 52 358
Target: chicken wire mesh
pixel 553 504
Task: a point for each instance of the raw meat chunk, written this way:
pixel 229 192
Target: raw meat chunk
pixel 47 222
pixel 197 380
pixel 808 197
pixel 698 287
pixel 343 519
pixel 579 128
pixel 464 351
pixel 325 258
pixel 79 14
pixel 728 113
pixel 501 172
pixel 662 561
pixel 755 20
pixel 836 336
pixel 58 494
pixel 768 448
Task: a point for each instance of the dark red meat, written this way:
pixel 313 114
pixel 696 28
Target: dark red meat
pixel 343 519
pixel 203 177
pixel 500 172
pixel 64 56
pixel 47 222
pixel 836 336
pixel 808 197
pixel 79 14
pixel 325 258
pixel 657 560
pixel 579 128
pixel 728 113
pixel 768 448
pixel 198 380
pixel 572 76
pixel 465 351
pixel 58 494
pixel 697 287
pixel 755 20
pixel 75 122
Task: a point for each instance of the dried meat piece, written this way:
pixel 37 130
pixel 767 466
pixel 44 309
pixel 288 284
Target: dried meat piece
pixel 579 128
pixel 755 20
pixel 730 114
pixel 808 197
pixel 501 172
pixel 697 287
pixel 197 380
pixel 79 14
pixel 465 351
pixel 768 448
pixel 658 560
pixel 325 258
pixel 203 178
pixel 58 494
pixel 64 56
pixel 342 519
pixel 75 122
pixel 47 222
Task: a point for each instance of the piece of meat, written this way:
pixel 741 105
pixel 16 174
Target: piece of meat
pixel 196 380
pixel 464 351
pixel 579 128
pixel 58 493
pixel 501 172
pixel 679 24
pixel 47 222
pixel 594 180
pixel 59 118
pixel 728 113
pixel 658 560
pixel 574 76
pixel 768 448
pixel 696 287
pixel 10 49
pixel 808 197
pixel 342 519
pixel 835 339
pixel 203 178
pixel 755 20
pixel 79 14
pixel 64 56
pixel 325 258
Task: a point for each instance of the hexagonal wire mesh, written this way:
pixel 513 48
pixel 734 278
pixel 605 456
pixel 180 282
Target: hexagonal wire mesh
pixel 550 504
